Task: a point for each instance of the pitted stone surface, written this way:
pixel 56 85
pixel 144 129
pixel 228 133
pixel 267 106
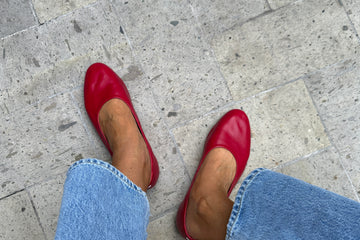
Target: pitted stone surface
pixel 276 126
pixel 18 219
pixel 275 4
pixel 185 64
pixel 46 200
pixel 284 45
pixel 217 16
pixel 47 10
pixel 353 10
pixel 323 170
pixel 336 94
pixel 180 66
pixel 42 140
pixel 164 228
pixel 49 59
pixel 15 15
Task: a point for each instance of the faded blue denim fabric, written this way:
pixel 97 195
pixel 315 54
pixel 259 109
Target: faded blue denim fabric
pixel 271 205
pixel 99 202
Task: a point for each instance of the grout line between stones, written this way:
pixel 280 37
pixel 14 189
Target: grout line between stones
pixel 268 4
pixel 13 193
pixel 213 55
pixel 162 214
pixel 123 28
pixel 273 89
pixel 18 32
pixel 153 99
pixel 48 179
pixel 265 13
pixel 351 22
pixel 331 140
pixel 48 21
pixel 71 12
pixel 170 130
pixel 22 107
pixel 36 213
pixel 186 122
pixel 301 158
pixel 179 152
pixel 234 102
pixel 340 155
pixel 76 105
pixel 34 12
pixel 316 153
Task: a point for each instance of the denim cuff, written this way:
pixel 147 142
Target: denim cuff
pixel 108 167
pixel 238 201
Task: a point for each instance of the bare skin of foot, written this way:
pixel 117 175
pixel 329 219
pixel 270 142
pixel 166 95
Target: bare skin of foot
pixel 130 154
pixel 209 207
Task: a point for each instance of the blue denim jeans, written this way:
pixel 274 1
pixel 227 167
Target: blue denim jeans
pixel 99 202
pixel 270 205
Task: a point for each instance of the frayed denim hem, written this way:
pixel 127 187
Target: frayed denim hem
pixel 109 167
pixel 235 213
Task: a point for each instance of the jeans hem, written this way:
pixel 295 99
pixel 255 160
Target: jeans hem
pixel 239 199
pixel 110 168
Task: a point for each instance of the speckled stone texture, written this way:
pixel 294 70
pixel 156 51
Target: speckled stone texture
pixel 284 45
pixel 292 66
pixel 15 16
pixel 46 10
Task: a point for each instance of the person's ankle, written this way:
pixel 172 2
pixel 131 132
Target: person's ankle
pixel 130 153
pixel 207 215
pixel 135 153
pixel 197 214
pixel 208 199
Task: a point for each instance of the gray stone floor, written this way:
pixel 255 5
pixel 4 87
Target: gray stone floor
pixel 292 66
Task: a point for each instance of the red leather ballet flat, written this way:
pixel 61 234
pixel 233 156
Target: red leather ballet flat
pixel 231 132
pixel 101 85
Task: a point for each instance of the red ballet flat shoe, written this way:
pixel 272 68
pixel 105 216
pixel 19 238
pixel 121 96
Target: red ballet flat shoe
pixel 231 132
pixel 101 85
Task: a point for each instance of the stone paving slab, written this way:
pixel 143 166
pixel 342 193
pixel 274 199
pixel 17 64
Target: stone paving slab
pixel 353 10
pixel 41 141
pixel 46 10
pixel 18 219
pixel 184 76
pixel 218 15
pixel 283 45
pixel 275 4
pixel 75 68
pixel 15 15
pixel 164 228
pixel 52 58
pixel 9 178
pixel 183 73
pixel 47 201
pixel 100 151
pixel 323 170
pixel 336 93
pixel 29 52
pixel 277 126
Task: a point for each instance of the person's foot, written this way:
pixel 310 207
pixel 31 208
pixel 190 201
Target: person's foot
pixel 209 207
pixel 130 154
